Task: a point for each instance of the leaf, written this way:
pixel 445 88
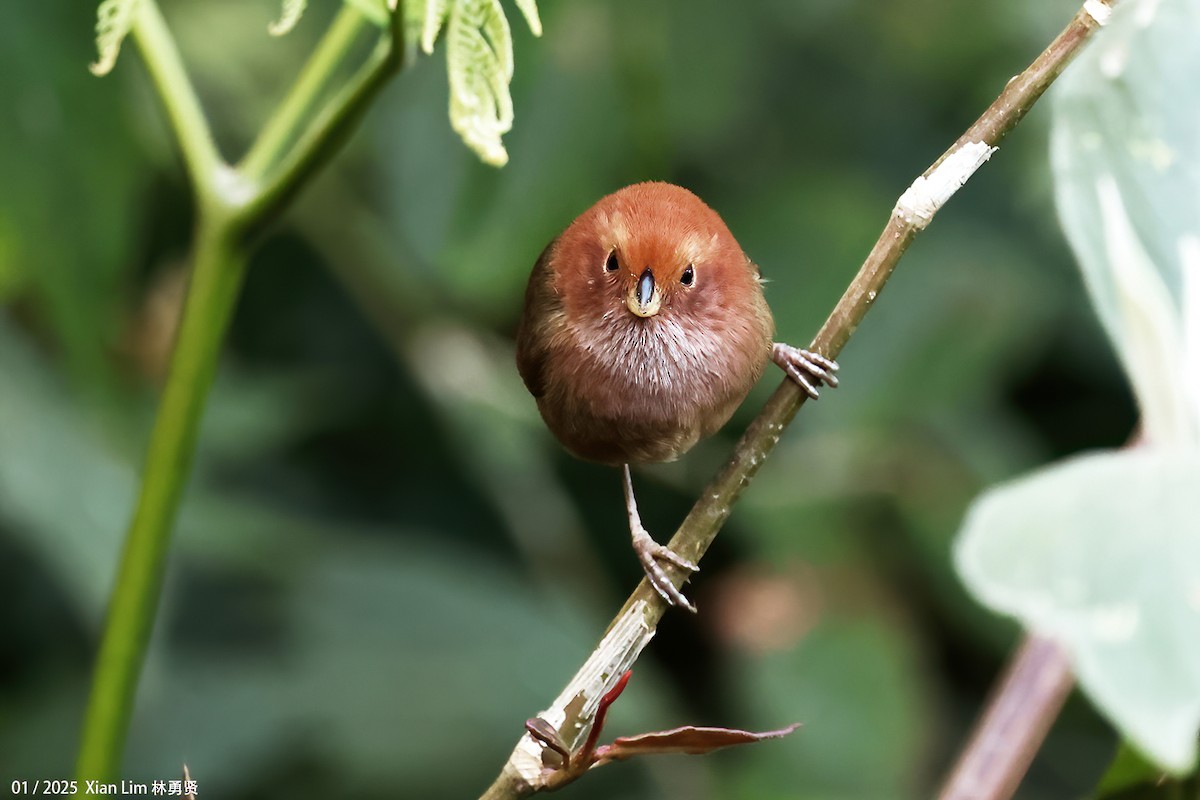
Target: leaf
pixel 1131 777
pixel 114 19
pixel 289 16
pixel 480 61
pixel 435 16
pixel 74 521
pixel 1127 771
pixel 1126 158
pixel 689 739
pixel 479 57
pixel 1102 553
pixel 530 10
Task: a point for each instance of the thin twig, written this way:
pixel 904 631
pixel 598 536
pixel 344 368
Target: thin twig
pixel 1011 731
pixel 634 626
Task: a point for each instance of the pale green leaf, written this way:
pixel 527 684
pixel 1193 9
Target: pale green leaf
pixel 114 19
pixel 288 17
pixel 1126 157
pixel 530 10
pixel 479 57
pixel 1102 553
pixel 435 16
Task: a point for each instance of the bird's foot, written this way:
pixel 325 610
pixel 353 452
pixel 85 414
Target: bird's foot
pixel 652 555
pixel 805 367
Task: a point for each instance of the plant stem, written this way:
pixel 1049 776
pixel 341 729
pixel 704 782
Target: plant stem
pixel 331 127
pixel 158 50
pixel 233 205
pixel 1017 719
pixel 279 131
pixel 216 275
pixel 634 625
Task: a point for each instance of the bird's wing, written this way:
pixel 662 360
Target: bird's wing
pixel 541 302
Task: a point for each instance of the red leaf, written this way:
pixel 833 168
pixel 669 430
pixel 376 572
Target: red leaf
pixel 688 739
pixel 607 700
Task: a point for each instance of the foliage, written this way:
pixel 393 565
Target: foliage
pixel 1103 551
pixel 289 15
pixel 114 19
pixel 479 58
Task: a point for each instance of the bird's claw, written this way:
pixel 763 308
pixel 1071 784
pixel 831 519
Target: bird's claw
pixel 806 368
pixel 652 554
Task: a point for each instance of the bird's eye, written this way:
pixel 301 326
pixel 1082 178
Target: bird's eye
pixel 689 276
pixel 611 264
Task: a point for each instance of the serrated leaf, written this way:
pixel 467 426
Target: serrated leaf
pixel 435 16
pixel 289 15
pixel 690 740
pixel 479 58
pixel 1126 158
pixel 114 20
pixel 530 11
pixel 1102 553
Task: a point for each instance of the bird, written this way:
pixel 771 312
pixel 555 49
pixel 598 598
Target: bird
pixel 644 328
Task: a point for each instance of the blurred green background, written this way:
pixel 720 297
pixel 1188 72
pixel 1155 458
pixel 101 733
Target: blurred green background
pixel 384 563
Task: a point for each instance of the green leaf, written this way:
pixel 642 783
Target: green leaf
pixel 1102 553
pixel 114 19
pixel 480 60
pixel 1126 156
pixel 288 17
pixel 479 56
pixel 435 16
pixel 855 686
pixel 1127 770
pixel 530 10
pixel 73 522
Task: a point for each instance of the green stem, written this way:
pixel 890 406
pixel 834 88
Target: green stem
pixel 234 204
pixel 216 276
pixel 330 128
pixel 179 98
pixel 280 130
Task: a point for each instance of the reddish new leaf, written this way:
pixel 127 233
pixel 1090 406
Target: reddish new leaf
pixel 688 739
pixel 607 700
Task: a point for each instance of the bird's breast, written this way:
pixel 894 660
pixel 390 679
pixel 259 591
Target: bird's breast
pixel 655 357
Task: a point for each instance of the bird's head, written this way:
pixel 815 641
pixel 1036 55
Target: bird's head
pixel 649 250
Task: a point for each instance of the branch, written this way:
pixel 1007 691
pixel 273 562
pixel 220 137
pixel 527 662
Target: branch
pixel 282 127
pixel 158 50
pixel 329 131
pixel 634 626
pixel 217 269
pixel 232 203
pixel 1018 718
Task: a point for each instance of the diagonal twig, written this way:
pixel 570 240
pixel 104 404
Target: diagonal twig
pixel 634 625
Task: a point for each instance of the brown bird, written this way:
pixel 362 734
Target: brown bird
pixel 644 328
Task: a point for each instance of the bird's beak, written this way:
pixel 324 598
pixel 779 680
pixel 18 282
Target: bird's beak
pixel 644 299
